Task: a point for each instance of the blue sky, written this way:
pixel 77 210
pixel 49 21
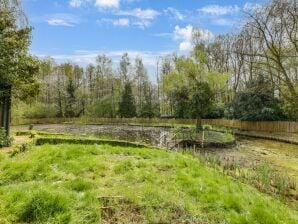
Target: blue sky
pixel 78 30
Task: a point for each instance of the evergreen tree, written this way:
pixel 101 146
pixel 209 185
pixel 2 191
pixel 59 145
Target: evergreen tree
pixel 127 106
pixel 70 99
pixel 147 110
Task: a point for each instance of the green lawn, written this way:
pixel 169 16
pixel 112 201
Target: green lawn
pixel 89 184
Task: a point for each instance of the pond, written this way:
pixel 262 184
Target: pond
pixel 155 136
pixel 246 153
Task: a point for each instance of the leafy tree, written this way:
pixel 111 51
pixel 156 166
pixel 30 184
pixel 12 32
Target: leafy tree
pixel 127 106
pixel 257 102
pixel 181 102
pixel 201 100
pixel 18 70
pixel 124 67
pixel 142 83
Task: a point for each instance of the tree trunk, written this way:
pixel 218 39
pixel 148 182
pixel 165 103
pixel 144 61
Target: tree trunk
pixel 5 109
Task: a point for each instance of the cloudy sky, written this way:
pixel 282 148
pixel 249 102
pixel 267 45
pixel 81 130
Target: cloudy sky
pixel 78 30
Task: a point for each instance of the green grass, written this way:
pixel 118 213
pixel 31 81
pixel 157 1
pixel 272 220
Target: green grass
pixel 86 184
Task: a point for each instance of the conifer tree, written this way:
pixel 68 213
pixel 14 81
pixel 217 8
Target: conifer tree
pixel 127 106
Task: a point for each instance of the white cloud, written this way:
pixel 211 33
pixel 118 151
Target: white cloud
pixel 104 4
pixel 59 22
pixel 162 34
pixel 76 3
pixel 185 46
pixel 121 22
pixel 185 36
pixel 174 13
pixel 144 14
pixel 249 7
pixel 107 3
pixel 125 22
pixel 142 17
pixel 62 20
pixel 219 10
pixel 138 17
pixel 142 23
pixel 224 22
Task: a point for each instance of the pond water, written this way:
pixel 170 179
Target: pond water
pixel 155 136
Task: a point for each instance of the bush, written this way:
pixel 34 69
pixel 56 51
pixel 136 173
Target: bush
pixel 4 139
pixel 218 111
pixel 257 103
pixel 40 111
pixel 102 108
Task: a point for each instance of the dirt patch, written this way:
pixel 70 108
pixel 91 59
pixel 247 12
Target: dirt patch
pixel 119 210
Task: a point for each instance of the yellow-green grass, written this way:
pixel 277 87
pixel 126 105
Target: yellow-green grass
pixel 71 183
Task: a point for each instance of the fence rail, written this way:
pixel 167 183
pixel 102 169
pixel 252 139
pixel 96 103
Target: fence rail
pixel 267 126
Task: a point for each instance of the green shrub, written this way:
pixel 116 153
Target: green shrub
pixel 4 139
pixel 217 111
pixel 40 111
pixel 102 108
pixel 207 127
pixel 257 102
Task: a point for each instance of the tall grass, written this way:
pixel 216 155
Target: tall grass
pixel 262 175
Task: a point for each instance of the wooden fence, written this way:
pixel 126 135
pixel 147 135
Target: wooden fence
pixel 266 126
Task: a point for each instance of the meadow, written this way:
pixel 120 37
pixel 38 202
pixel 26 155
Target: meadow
pixel 70 183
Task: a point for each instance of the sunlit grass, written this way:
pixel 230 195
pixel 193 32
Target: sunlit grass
pixel 66 184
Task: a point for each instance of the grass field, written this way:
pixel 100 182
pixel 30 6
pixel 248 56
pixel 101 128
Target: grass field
pixel 108 184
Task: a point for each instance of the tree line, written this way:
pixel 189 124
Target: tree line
pixel 248 75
